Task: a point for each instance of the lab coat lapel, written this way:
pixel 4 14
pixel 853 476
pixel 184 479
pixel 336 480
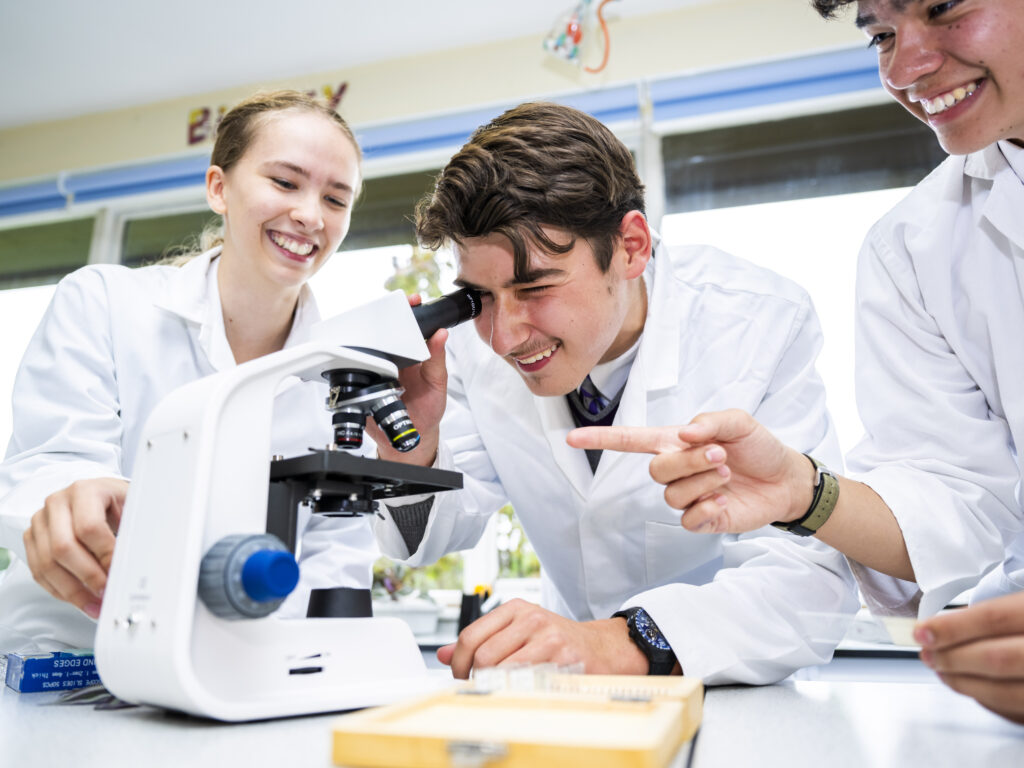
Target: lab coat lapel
pixel 556 421
pixel 656 366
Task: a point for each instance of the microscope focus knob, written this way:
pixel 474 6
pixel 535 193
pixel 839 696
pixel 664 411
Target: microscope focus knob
pixel 269 574
pixel 247 576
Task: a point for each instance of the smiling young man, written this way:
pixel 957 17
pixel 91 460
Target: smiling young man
pixel 937 504
pixel 588 320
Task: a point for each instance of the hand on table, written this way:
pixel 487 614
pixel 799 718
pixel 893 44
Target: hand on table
pixel 519 632
pixel 724 469
pixel 979 652
pixel 70 541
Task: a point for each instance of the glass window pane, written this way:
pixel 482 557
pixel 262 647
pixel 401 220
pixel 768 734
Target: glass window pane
pixel 43 253
pixel 350 279
pixel 855 150
pixel 384 212
pixel 148 240
pixel 21 309
pixel 815 243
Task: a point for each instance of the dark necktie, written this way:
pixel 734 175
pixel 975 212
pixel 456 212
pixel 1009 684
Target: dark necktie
pixel 592 398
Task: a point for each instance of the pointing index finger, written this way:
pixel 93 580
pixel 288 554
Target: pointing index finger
pixel 627 439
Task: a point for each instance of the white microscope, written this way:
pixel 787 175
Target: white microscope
pixel 204 551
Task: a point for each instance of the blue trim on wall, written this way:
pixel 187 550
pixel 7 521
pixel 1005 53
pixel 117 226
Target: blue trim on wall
pixel 99 185
pixel 133 180
pixel 29 198
pixel 825 74
pixel 674 97
pixel 608 105
pixel 431 133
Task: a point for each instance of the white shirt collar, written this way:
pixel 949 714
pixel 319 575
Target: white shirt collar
pixel 610 377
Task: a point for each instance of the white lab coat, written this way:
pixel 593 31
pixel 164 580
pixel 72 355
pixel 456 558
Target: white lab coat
pixel 940 360
pixel 720 333
pixel 113 342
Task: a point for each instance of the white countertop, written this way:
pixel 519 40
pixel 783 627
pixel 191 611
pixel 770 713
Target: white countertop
pixel 34 733
pixel 832 724
pixel 825 723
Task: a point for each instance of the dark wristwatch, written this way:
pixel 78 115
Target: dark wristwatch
pixel 648 638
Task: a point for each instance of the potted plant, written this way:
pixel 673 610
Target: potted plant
pixel 395 594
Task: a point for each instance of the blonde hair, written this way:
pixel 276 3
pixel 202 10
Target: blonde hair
pixel 181 254
pixel 235 135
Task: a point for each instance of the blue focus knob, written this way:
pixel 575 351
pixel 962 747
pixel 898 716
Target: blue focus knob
pixel 247 576
pixel 269 574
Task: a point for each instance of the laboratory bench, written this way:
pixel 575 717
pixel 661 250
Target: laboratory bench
pixel 857 711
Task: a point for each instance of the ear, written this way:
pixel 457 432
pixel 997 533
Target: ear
pixel 215 189
pixel 637 244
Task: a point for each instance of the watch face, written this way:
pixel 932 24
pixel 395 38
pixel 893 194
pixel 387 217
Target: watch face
pixel 649 630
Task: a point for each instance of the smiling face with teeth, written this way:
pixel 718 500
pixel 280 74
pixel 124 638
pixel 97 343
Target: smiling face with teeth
pixel 957 66
pixel 287 201
pixel 564 316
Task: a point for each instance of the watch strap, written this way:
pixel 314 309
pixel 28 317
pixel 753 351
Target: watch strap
pixel 660 661
pixel 826 495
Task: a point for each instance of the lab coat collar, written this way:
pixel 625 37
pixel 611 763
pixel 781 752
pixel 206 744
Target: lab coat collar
pixel 658 356
pixel 186 289
pixel 986 163
pixel 1006 200
pixel 1001 207
pixel 192 294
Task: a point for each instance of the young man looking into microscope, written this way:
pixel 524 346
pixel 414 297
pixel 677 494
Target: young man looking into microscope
pixel 587 319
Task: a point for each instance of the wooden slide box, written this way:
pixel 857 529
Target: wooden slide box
pixel 584 720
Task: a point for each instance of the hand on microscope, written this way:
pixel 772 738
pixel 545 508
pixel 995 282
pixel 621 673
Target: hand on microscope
pixel 519 632
pixel 70 541
pixel 426 391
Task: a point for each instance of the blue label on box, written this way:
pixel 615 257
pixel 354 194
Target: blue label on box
pixel 57 671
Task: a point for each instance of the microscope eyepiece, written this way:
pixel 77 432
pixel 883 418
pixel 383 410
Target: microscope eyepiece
pixel 447 311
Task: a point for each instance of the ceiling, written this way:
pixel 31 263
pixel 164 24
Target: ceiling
pixel 65 58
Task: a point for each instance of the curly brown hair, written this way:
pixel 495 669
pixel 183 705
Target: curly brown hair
pixel 537 165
